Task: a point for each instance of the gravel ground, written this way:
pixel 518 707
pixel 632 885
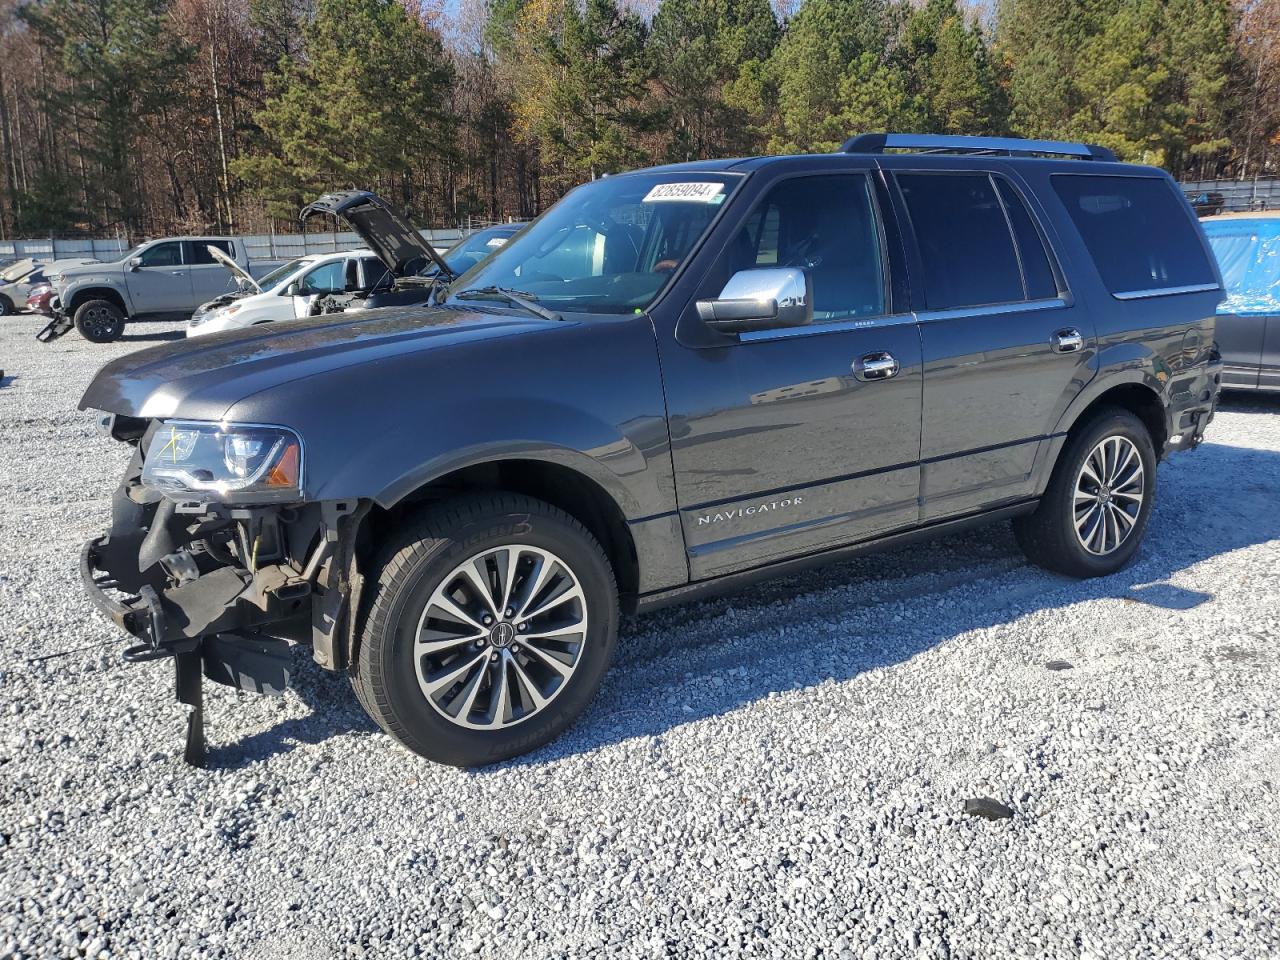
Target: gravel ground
pixel 775 774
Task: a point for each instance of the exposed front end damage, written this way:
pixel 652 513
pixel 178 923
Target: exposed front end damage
pixel 222 589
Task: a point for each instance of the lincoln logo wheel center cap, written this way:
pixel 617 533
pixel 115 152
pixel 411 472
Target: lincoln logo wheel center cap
pixel 502 634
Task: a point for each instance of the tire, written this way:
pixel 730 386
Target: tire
pixel 99 321
pixel 490 710
pixel 1106 541
pixel 6 306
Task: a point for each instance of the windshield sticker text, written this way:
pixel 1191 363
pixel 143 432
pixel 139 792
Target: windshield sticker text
pixel 685 193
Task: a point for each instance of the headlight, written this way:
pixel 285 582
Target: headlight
pixel 218 313
pixel 229 462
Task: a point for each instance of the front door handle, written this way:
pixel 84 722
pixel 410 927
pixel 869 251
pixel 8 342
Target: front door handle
pixel 1068 341
pixel 876 366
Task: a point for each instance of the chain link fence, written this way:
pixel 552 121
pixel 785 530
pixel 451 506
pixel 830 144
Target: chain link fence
pixel 1211 197
pixel 274 246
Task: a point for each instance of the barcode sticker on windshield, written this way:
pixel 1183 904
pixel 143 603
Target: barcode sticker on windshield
pixel 685 193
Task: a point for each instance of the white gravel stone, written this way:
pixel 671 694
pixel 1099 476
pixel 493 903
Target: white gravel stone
pixel 780 773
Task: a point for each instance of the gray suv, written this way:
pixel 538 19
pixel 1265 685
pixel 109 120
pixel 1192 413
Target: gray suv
pixel 674 382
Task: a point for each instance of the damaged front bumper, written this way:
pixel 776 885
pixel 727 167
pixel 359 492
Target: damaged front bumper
pixel 222 591
pixel 59 323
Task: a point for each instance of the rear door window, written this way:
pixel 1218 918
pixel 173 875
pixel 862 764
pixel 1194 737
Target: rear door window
pixel 1036 271
pixel 964 239
pixel 200 250
pixel 1138 232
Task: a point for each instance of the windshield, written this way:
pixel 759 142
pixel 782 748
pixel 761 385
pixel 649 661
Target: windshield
pixel 609 246
pixel 281 273
pixel 462 256
pixel 132 252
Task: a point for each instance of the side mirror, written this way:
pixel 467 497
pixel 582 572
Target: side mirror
pixel 294 289
pixel 761 299
pixel 135 263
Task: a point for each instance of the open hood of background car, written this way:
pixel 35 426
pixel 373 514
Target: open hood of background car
pixel 239 272
pixel 17 270
pixel 402 249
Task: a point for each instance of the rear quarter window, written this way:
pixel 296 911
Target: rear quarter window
pixel 1138 232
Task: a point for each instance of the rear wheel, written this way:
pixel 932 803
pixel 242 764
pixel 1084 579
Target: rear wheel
pixel 490 629
pixel 6 306
pixel 1094 513
pixel 99 321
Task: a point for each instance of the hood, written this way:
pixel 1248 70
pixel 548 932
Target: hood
pixel 237 271
pixel 201 379
pixel 403 250
pixel 17 269
pixel 72 265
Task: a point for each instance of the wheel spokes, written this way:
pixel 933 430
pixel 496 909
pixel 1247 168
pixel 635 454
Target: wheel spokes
pixel 452 674
pixel 484 669
pixel 1108 496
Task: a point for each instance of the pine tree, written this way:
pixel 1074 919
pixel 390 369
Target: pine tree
pixel 805 74
pixel 1037 44
pixel 700 50
pixel 366 114
pixel 951 77
pixel 1153 80
pixel 580 89
pixel 120 62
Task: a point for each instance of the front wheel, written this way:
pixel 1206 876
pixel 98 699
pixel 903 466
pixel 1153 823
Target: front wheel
pixel 1094 512
pixel 6 306
pixel 490 629
pixel 99 321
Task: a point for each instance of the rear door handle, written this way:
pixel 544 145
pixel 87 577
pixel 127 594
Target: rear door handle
pixel 1068 341
pixel 876 366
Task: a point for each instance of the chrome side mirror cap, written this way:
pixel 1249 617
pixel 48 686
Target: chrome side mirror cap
pixel 763 298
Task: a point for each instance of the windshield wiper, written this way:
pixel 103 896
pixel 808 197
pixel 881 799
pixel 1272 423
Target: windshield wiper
pixel 520 298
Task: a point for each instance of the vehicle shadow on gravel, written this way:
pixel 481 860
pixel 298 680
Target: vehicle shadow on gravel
pixel 156 336
pixel 1249 401
pixel 704 659
pixel 688 663
pixel 332 712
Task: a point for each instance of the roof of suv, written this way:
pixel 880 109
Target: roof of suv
pixel 924 148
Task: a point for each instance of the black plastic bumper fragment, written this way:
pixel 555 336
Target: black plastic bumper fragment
pixel 58 325
pixel 197 625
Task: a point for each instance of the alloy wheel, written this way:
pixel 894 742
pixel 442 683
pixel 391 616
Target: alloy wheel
pixel 100 321
pixel 500 637
pixel 1109 493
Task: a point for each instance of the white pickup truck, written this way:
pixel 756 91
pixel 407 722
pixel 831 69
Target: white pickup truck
pixel 156 280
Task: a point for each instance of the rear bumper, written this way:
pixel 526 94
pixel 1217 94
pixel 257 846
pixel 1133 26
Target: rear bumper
pixel 1192 405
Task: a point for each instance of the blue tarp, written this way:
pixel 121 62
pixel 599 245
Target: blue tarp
pixel 1248 253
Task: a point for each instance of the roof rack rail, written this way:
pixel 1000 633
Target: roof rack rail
pixel 981 146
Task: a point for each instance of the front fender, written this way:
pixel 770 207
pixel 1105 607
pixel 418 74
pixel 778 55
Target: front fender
pixel 80 286
pixel 512 430
pixel 587 396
